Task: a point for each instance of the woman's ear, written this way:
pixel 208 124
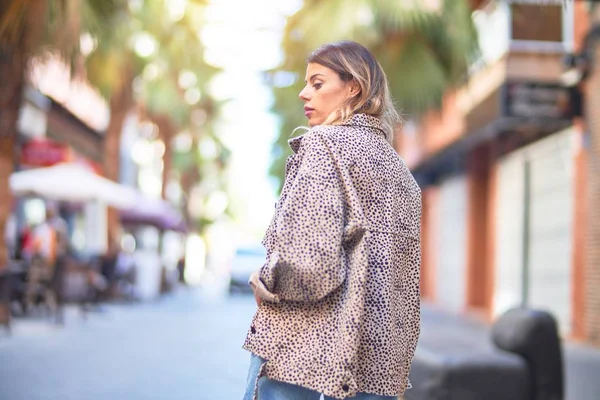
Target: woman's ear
pixel 354 88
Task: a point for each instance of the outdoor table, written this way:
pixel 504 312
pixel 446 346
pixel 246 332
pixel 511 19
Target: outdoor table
pixel 8 276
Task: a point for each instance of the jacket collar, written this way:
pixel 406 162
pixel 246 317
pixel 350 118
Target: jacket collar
pixel 362 120
pixel 295 143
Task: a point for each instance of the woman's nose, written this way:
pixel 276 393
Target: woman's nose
pixel 303 94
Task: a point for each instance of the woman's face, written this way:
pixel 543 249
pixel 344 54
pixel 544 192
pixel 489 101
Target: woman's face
pixel 324 92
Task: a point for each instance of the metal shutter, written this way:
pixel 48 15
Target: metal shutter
pixel 551 219
pixel 451 258
pixel 508 282
pixel 536 181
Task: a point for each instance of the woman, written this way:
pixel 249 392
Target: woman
pixel 339 294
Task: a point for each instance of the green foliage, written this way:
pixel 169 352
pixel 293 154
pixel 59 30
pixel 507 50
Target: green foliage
pixel 176 50
pixel 40 27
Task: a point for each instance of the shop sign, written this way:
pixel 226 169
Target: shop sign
pixel 44 153
pixel 535 100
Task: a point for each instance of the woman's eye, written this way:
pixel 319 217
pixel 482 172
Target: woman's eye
pixel 317 85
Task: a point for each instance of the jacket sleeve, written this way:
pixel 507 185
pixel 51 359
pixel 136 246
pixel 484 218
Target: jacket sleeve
pixel 306 263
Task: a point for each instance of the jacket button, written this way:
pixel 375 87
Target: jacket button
pixel 345 388
pixel 252 329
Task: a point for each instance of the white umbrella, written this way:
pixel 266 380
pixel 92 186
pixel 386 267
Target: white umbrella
pixel 71 182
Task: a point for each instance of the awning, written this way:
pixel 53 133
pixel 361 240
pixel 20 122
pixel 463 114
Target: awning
pixel 155 212
pixel 71 183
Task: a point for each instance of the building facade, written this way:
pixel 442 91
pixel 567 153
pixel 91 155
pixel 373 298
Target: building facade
pixel 504 170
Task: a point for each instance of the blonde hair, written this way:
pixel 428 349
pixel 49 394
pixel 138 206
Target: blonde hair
pixel 354 62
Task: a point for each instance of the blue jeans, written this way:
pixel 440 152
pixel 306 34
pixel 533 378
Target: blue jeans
pixel 269 389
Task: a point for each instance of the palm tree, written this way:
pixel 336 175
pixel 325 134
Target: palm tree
pixel 177 99
pixel 173 48
pixel 29 29
pixel 424 46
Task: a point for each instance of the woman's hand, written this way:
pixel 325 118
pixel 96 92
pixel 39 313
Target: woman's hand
pixel 257 298
pixel 260 291
pixel 252 284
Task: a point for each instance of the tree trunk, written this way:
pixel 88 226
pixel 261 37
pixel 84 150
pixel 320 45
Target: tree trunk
pixel 190 176
pixel 121 103
pixel 12 71
pixel 166 132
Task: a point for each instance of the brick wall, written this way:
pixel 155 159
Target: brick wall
pixel 580 231
pixel 429 244
pixel 478 214
pixel 592 272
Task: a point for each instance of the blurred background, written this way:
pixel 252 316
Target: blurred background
pixel 143 145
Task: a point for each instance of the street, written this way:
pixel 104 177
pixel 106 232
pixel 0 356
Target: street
pixel 183 347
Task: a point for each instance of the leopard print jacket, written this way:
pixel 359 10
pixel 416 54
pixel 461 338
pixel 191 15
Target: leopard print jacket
pixel 343 260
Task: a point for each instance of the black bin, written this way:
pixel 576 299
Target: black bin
pixel 533 334
pixel 490 375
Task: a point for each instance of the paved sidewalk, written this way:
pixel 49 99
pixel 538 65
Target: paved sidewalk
pixel 582 363
pixel 183 347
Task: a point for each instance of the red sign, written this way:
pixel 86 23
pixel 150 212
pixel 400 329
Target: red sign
pixel 44 153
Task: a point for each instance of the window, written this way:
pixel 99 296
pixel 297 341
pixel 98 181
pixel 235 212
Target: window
pixel 537 22
pixel 539 26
